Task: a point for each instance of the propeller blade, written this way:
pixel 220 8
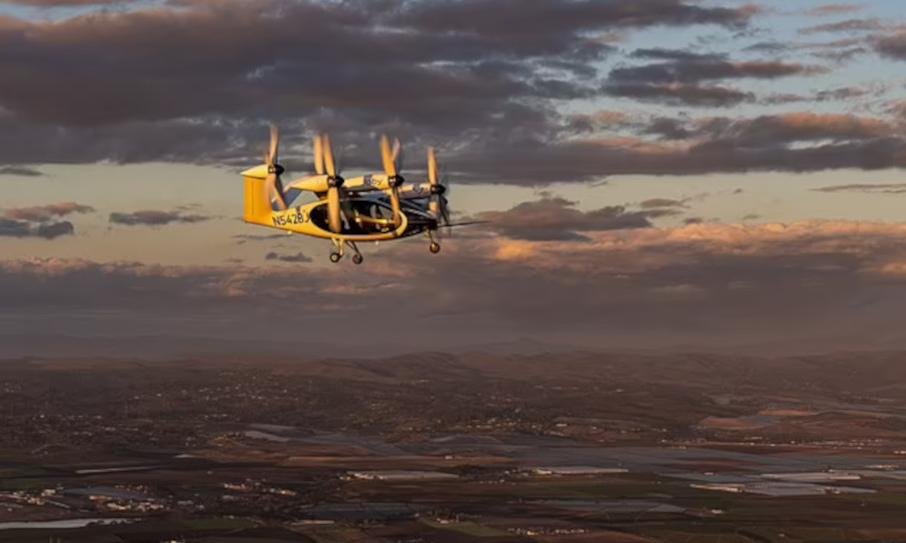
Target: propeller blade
pixel 274 146
pixel 433 178
pixel 273 193
pixel 395 206
pixel 329 162
pixel 388 158
pixel 397 155
pixel 318 154
pixel 334 218
pixel 445 211
pixel 272 185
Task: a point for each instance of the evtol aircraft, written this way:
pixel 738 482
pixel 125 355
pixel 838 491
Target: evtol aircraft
pixel 372 207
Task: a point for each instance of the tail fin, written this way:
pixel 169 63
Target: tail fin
pixel 257 207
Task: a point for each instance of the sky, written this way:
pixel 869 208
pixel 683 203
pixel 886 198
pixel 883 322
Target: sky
pixel 653 173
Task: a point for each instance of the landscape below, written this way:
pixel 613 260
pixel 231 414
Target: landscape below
pixel 475 447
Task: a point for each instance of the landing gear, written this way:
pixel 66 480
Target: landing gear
pixel 340 246
pixel 434 247
pixel 357 258
pixel 337 254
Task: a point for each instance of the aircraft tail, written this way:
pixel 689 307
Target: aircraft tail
pixel 257 204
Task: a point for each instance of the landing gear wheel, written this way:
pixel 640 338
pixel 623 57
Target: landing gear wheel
pixel 434 247
pixel 335 257
pixel 357 259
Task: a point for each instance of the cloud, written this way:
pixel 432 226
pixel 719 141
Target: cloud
pixel 849 25
pixel 242 239
pixel 680 79
pixel 360 51
pixel 554 218
pixel 61 3
pixel 797 127
pixel 892 46
pixel 154 218
pixel 173 84
pixel 294 258
pixel 883 188
pixel 661 53
pixel 833 282
pixel 16 229
pixel 47 212
pixel 668 128
pixel 697 69
pixel 24 229
pixel 797 142
pixel 20 171
pixel 55 229
pixel 656 203
pixel 680 94
pixel 40 221
pixel 833 9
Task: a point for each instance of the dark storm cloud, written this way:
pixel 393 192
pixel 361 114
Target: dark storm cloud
pixel 20 171
pixel 554 218
pixel 293 258
pixel 154 218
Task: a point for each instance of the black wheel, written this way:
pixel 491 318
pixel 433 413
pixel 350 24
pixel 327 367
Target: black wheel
pixel 335 257
pixel 434 247
pixel 357 259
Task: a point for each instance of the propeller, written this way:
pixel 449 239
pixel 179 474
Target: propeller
pixel 273 185
pixel 437 203
pixel 325 159
pixel 390 157
pixel 318 154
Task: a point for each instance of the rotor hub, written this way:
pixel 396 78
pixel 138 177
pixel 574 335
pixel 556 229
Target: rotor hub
pixel 438 189
pixel 396 180
pixel 276 169
pixel 335 181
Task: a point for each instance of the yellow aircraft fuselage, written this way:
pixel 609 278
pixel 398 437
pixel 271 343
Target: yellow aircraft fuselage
pixel 299 219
